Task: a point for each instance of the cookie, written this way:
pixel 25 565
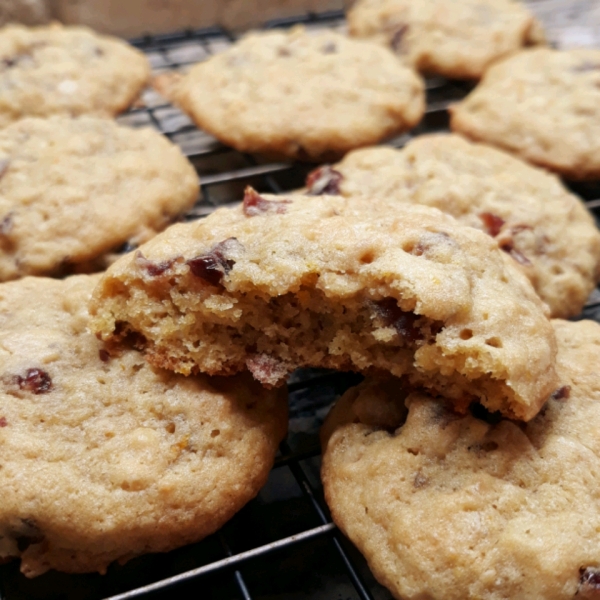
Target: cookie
pixel 72 190
pixel 69 71
pixel 283 282
pixel 457 39
pixel 105 458
pixel 545 229
pixel 542 105
pixel 455 507
pixel 302 95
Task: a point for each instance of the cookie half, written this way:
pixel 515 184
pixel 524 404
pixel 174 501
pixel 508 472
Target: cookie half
pixel 72 190
pixel 71 71
pixel 454 507
pixel 105 458
pixel 544 228
pixel 283 282
pixel 541 104
pixel 302 95
pixel 458 39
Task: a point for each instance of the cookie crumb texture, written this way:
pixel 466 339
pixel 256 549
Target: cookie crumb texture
pixel 105 458
pixel 70 71
pixel 546 230
pixel 452 507
pixel 72 190
pixel 255 98
pixel 350 284
pixel 458 39
pixel 541 104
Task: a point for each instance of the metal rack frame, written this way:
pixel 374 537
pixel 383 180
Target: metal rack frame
pixel 228 570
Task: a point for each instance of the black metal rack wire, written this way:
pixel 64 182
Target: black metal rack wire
pixel 283 544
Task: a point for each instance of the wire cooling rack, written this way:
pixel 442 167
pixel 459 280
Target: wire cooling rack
pixel 283 544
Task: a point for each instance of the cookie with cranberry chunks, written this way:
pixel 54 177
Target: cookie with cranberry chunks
pixel 542 105
pixel 104 457
pixel 282 282
pixel 546 230
pixel 454 507
pixel 302 95
pixel 74 190
pixel 458 39
pixel 69 71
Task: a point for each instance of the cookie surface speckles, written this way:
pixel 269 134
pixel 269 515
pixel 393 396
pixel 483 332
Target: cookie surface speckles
pixel 351 284
pixel 302 95
pixel 104 458
pixel 72 190
pixel 457 39
pixel 70 71
pixel 545 229
pixel 452 507
pixel 541 104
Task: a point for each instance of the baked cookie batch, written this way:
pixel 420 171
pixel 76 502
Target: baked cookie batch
pixel 142 407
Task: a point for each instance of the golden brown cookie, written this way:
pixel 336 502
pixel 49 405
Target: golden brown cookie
pixel 302 95
pixel 103 457
pixel 545 229
pixel 283 282
pixel 453 507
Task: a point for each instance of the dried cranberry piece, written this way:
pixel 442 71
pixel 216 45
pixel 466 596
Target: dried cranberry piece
pixel 28 534
pixel 4 164
pixel 6 224
pixel 35 381
pixel 562 393
pixel 254 204
pixel 585 67
pixel 324 180
pixel 3 422
pixel 103 355
pixel 398 37
pixel 493 223
pixel 402 321
pixel 268 370
pixel 154 269
pixel 329 48
pixel 589 583
pixel 214 265
pixel 509 247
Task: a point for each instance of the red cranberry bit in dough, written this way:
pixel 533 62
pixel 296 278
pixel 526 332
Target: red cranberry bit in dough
pixel 6 225
pixel 509 247
pixel 103 355
pixel 266 369
pixel 35 381
pixel 589 583
pixel 3 422
pixel 254 204
pixel 402 321
pixel 396 41
pixel 324 180
pixel 214 265
pixel 154 269
pixel 493 223
pixel 562 393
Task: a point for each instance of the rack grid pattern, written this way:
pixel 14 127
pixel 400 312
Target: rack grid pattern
pixel 283 544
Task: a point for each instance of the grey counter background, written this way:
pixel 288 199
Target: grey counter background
pixel 568 22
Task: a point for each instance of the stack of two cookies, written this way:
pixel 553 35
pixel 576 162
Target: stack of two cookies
pixel 454 463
